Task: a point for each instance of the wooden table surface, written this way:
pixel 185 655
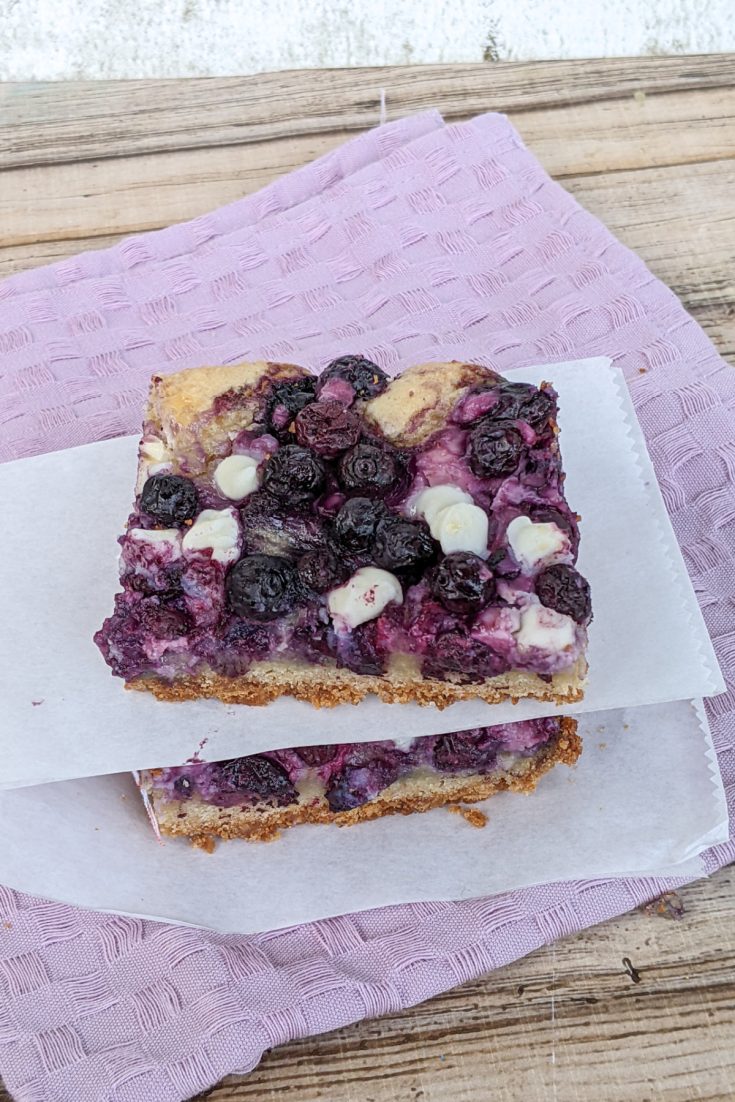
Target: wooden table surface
pixel 648 144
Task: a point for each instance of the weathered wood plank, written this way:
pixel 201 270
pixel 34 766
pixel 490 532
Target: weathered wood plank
pixel 566 1022
pixel 49 123
pixel 18 258
pixel 614 135
pixel 148 190
pixel 140 193
pixel 719 325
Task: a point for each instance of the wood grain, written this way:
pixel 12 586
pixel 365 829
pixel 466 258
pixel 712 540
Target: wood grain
pixel 148 190
pixel 49 123
pixel 648 145
pixel 566 1023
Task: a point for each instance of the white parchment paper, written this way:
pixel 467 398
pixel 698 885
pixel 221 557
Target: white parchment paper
pixel 64 715
pixel 645 797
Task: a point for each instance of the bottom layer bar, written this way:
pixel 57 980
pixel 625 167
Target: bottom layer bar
pixel 258 796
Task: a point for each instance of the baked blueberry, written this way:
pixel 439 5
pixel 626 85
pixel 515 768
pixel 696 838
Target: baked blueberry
pixel 359 651
pixel 506 402
pixel 369 469
pixel 169 498
pixel 317 755
pixel 356 522
pixel 285 401
pixel 259 776
pixel 327 428
pixel 456 657
pixel 463 582
pixel 262 587
pixel 401 544
pixel 358 781
pixel 495 449
pixel 294 475
pixel 321 569
pixel 464 750
pixel 563 588
pixel 366 378
pixel 523 402
pixel 183 787
pixel 270 527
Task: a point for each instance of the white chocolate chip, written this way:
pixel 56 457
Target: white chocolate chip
pixel 237 476
pixel 403 743
pixel 363 597
pixel 217 529
pixel 154 450
pixel 432 501
pixel 153 458
pixel 462 527
pixel 159 535
pixel 546 629
pixel 532 544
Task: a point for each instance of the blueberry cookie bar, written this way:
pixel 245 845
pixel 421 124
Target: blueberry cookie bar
pixel 256 797
pixel 332 536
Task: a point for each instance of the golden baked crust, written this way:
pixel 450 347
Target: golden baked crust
pixel 180 406
pixel 417 402
pixel 325 686
pixel 179 400
pixel 201 822
pixel 414 406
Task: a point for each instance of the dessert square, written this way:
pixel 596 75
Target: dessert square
pixel 256 797
pixel 327 537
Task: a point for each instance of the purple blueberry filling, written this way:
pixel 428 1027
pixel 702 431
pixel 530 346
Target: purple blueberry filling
pixel 364 378
pixel 350 774
pixel 215 582
pixel 327 428
pixel 284 403
pixel 272 528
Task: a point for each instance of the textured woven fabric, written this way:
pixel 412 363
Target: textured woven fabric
pixel 414 242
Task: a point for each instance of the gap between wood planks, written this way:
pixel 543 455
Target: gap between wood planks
pixel 50 123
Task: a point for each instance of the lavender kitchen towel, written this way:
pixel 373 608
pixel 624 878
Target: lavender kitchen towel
pixel 416 241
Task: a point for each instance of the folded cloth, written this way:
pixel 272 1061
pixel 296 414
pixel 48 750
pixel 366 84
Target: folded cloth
pixel 416 241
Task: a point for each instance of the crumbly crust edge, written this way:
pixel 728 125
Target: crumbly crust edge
pixel 326 687
pixel 264 825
